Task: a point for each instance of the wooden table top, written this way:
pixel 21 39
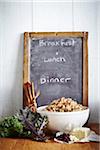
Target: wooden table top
pixel 26 144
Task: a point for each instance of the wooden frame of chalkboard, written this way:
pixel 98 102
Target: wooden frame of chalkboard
pixel 28 36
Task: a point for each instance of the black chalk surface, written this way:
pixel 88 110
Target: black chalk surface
pixel 56 68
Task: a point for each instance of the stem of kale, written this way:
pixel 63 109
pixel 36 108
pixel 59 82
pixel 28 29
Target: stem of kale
pixel 43 124
pixel 31 128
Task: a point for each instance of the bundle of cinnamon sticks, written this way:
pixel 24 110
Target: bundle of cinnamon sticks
pixel 29 96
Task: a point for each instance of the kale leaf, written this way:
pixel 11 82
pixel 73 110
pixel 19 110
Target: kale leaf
pixel 26 124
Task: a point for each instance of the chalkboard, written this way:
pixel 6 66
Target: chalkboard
pixel 55 64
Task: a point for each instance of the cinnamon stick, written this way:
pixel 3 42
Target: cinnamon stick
pixel 33 89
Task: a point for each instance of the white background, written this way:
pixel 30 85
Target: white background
pixel 16 17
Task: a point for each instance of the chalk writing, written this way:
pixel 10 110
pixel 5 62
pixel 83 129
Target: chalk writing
pixel 55 59
pixel 47 79
pixel 62 42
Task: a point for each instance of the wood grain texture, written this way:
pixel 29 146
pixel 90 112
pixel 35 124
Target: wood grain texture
pixel 85 69
pixel 26 58
pixel 58 34
pixel 16 144
pixel 24 144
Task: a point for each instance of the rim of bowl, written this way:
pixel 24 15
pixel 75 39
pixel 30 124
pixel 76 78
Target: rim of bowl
pixel 40 110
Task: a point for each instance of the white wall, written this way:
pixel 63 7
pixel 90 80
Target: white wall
pixel 15 19
pixel 18 17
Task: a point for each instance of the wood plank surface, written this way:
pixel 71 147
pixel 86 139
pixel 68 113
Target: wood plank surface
pixel 26 144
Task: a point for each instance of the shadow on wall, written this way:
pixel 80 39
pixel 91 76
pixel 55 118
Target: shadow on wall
pixel 94 113
pixel 17 92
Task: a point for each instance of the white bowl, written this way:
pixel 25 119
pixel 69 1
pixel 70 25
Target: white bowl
pixel 61 121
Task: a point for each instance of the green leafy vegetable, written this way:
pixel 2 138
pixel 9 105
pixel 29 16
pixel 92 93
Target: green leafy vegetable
pixel 10 127
pixel 26 124
pixel 35 123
